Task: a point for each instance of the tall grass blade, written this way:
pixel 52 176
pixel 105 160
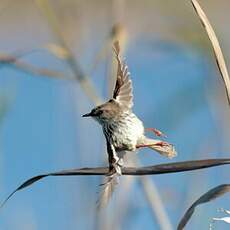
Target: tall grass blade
pixel 215 45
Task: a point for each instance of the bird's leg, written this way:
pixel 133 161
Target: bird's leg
pixel 161 144
pixel 156 132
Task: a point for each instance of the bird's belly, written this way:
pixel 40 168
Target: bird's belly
pixel 126 134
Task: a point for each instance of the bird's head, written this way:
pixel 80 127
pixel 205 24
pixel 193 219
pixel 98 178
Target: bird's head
pixel 105 112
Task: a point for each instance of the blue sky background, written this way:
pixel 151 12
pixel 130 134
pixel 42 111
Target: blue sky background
pixel 177 89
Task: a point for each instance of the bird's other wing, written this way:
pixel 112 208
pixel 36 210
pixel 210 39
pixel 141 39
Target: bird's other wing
pixel 107 188
pixel 110 181
pixel 123 92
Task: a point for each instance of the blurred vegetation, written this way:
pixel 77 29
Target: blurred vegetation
pixel 172 64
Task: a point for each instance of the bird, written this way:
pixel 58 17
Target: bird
pixel 123 130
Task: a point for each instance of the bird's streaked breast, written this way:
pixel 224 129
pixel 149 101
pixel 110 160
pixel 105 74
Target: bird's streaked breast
pixel 124 132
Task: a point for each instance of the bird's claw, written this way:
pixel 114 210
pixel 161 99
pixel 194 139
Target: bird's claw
pixel 115 166
pixel 114 169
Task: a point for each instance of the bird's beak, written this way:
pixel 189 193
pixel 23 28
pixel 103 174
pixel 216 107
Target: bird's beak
pixel 87 115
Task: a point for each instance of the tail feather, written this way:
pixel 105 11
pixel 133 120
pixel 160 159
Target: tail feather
pixel 162 147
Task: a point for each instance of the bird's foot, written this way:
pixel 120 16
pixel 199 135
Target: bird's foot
pixel 120 162
pixel 161 144
pixel 114 169
pixel 156 132
pixel 115 166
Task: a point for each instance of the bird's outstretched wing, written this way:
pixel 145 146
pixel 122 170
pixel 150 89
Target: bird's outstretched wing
pixel 123 92
pixel 111 180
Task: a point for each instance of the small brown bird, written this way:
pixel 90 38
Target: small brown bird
pixel 123 130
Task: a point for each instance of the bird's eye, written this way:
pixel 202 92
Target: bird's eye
pixel 99 112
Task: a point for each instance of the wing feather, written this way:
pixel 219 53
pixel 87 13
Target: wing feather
pixel 123 92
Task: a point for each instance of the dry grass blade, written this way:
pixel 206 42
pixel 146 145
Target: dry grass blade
pixel 215 45
pixel 7 59
pixel 13 60
pixel 24 185
pixel 147 170
pixel 28 68
pixel 57 51
pixel 208 196
pixel 83 79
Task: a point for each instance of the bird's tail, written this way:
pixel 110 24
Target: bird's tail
pixel 107 188
pixel 162 147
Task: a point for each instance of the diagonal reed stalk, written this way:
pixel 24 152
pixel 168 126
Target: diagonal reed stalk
pixel 82 78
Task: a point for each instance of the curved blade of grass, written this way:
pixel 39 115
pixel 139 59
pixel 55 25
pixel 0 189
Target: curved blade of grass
pixel 147 170
pixel 208 196
pixel 215 45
